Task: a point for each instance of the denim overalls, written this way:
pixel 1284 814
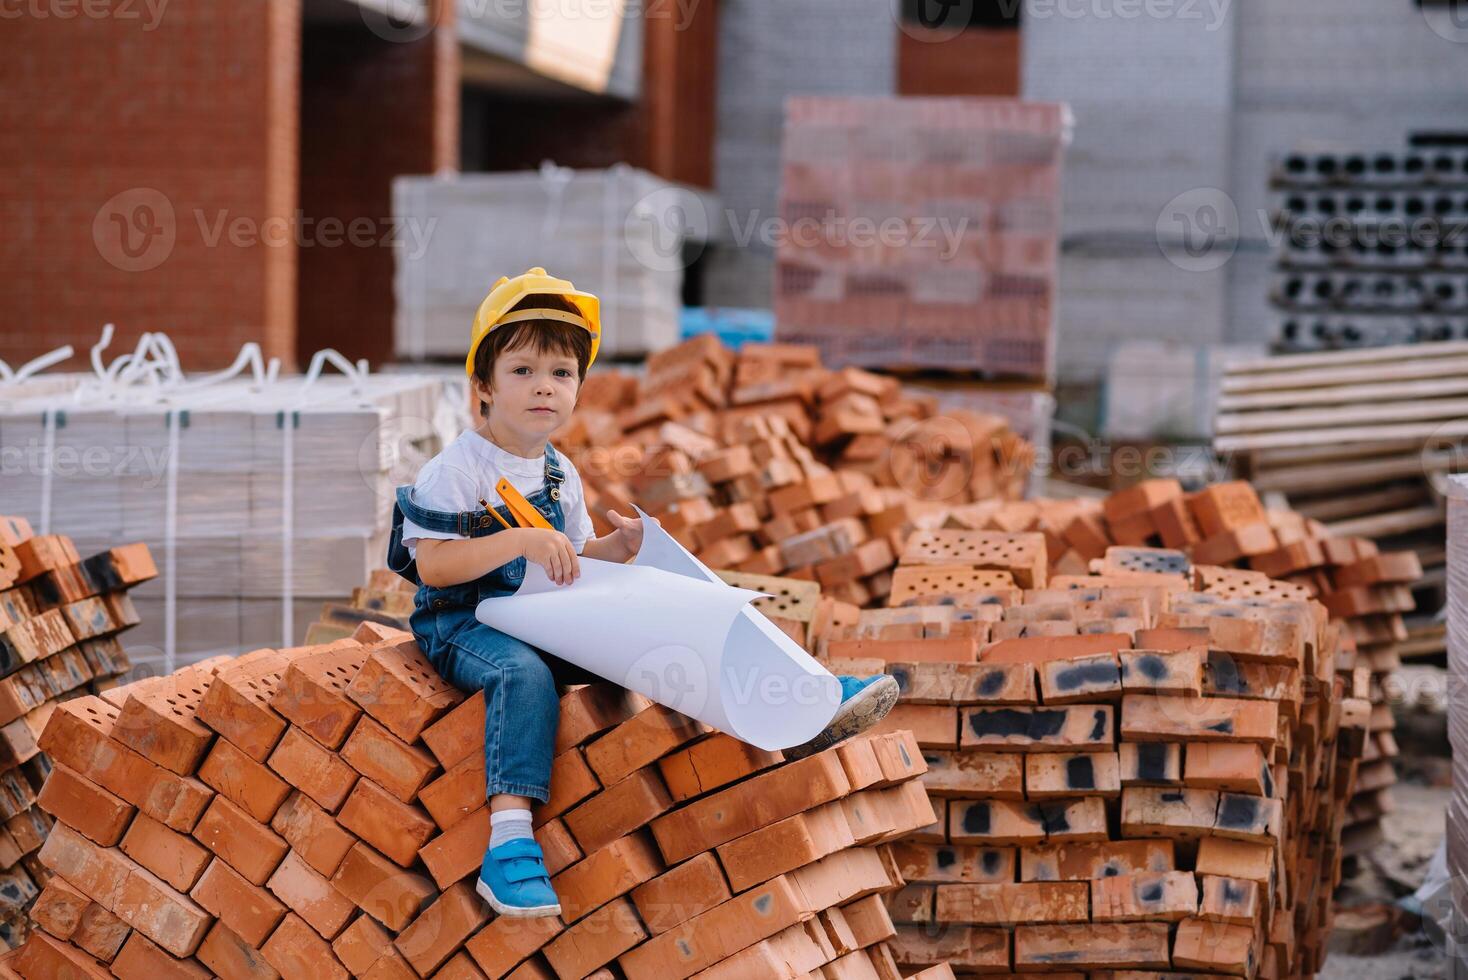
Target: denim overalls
pixel 522 706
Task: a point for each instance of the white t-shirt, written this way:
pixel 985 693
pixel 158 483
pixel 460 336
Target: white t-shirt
pixel 470 466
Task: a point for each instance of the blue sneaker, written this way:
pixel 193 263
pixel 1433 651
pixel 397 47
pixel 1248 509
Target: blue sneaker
pixel 514 882
pixel 864 702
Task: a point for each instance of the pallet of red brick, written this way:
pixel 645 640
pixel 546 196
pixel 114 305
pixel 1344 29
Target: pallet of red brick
pixel 1141 769
pixel 1227 524
pixel 320 812
pixel 60 617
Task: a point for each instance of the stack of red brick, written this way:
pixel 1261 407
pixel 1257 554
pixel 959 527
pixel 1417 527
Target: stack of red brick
pixel 1227 524
pixel 59 621
pixel 1143 768
pixel 319 813
pixel 765 462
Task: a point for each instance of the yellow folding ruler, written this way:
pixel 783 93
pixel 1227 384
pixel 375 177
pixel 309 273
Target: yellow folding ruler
pixel 525 515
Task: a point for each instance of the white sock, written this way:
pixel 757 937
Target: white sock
pixel 508 825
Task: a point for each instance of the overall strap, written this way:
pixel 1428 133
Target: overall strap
pixel 554 475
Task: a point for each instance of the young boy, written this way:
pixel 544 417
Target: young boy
pixel 533 339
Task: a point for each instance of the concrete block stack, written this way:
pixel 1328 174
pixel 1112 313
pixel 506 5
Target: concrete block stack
pixel 60 617
pixel 1140 769
pixel 320 813
pixel 768 463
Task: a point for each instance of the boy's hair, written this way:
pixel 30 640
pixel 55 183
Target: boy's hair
pixel 543 336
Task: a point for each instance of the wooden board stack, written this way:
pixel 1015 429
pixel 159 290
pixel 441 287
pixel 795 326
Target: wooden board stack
pixel 767 463
pixel 60 617
pixel 319 813
pixel 1143 768
pixel 1360 440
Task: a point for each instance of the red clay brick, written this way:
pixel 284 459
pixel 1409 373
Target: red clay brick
pixel 142 960
pixel 231 958
pixel 298 953
pixel 312 897
pixel 243 781
pixel 640 741
pixel 361 944
pixel 459 733
pixel 312 833
pixel 693 887
pixel 43 956
pixel 712 763
pixel 618 810
pixel 84 806
pixel 743 808
pixel 384 891
pixel 312 694
pixel 442 928
pixel 237 704
pixel 248 911
pixel 596 940
pixel 158 723
pixel 250 848
pixel 400 689
pixel 174 857
pixel 395 828
pixel 606 874
pixel 507 941
pixel 393 764
pixel 323 776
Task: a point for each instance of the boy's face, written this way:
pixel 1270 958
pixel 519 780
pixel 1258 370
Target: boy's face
pixel 531 393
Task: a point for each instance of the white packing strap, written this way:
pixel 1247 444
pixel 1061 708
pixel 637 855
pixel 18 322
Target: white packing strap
pixel 48 446
pixel 553 180
pixel 287 527
pixel 170 546
pixel 34 366
pixel 357 373
pixel 611 234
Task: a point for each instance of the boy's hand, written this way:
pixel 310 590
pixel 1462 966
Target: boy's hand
pixel 552 551
pixel 628 530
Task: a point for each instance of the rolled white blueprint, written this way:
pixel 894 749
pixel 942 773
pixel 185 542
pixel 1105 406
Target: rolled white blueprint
pixel 668 628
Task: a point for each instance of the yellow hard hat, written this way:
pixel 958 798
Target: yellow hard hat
pixel 506 292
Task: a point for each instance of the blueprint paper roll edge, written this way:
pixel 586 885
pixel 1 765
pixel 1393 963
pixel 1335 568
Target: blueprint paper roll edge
pixel 668 627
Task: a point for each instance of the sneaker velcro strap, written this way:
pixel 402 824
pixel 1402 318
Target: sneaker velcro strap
pixel 517 870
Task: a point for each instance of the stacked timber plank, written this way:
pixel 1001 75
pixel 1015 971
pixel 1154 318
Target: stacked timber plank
pixel 1359 440
pixel 60 617
pixel 1141 770
pixel 767 463
pixel 1365 589
pixel 320 813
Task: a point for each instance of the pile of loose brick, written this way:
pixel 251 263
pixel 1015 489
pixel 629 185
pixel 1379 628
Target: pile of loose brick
pixel 320 812
pixel 60 617
pixel 764 462
pixel 1227 525
pixel 1144 768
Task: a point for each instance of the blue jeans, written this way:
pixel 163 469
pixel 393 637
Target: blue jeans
pixel 521 699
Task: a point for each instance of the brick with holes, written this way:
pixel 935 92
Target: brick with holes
pixel 312 694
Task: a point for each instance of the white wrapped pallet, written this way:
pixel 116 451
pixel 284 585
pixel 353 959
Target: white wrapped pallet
pixel 260 496
pixel 619 233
